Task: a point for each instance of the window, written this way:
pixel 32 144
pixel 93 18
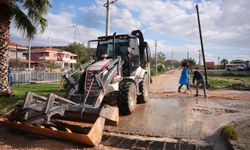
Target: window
pixel 134 51
pixel 106 47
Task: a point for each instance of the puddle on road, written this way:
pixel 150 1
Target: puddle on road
pixel 184 117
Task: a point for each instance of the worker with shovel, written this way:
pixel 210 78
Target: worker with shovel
pixel 199 80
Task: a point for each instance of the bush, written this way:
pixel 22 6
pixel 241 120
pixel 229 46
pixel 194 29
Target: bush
pixel 230 132
pixel 160 68
pixel 152 71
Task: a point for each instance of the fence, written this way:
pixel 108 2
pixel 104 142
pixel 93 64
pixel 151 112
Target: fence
pixel 25 77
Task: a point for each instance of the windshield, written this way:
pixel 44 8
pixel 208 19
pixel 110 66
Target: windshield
pixel 106 47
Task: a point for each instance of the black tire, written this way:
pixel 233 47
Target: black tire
pixel 128 98
pixel 144 89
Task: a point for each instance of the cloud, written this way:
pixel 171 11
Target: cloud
pixel 60 31
pixel 225 24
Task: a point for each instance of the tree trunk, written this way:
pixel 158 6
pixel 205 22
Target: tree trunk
pixel 4 40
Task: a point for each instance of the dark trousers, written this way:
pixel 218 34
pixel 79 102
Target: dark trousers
pixel 203 83
pixel 179 89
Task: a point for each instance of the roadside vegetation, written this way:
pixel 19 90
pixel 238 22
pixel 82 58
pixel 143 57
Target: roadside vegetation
pixel 230 132
pixel 163 64
pixel 19 91
pixel 229 81
pixel 81 51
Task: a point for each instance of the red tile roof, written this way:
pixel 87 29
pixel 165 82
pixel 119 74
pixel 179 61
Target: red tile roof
pixel 13 44
pixel 44 49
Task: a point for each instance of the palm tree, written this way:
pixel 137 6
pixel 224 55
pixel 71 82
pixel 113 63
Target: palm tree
pixel 27 15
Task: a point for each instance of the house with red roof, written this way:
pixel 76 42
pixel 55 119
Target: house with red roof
pixel 52 55
pixel 41 54
pixel 16 51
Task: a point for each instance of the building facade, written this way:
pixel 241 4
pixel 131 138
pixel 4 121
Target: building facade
pixel 16 51
pixel 52 55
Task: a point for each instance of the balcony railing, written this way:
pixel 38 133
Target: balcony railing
pixel 42 58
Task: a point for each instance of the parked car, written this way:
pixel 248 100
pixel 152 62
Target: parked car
pixel 242 67
pixel 235 67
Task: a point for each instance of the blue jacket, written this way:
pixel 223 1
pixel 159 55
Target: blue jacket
pixel 184 76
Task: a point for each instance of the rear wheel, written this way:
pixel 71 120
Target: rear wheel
pixel 128 98
pixel 144 89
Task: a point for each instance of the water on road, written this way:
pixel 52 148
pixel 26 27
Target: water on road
pixel 188 118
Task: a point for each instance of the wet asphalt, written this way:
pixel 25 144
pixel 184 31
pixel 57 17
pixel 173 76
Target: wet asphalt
pixel 186 118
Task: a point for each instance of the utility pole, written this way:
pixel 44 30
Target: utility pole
pixel 172 62
pixel 155 57
pixel 49 41
pixel 218 61
pixel 202 48
pixel 187 54
pixel 74 33
pixel 29 54
pixel 199 58
pixel 107 5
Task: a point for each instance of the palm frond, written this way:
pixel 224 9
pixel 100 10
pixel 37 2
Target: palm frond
pixel 40 6
pixel 36 9
pixel 29 15
pixel 23 23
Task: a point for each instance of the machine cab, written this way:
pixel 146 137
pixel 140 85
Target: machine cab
pixel 125 46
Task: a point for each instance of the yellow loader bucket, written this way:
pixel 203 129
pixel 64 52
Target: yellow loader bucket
pixel 93 137
pixel 87 130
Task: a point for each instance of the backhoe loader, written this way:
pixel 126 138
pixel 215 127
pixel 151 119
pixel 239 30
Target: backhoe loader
pixel 111 84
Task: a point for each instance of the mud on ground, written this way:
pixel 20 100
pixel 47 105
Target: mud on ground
pixel 168 117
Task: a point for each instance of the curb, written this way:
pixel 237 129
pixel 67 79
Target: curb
pixel 228 142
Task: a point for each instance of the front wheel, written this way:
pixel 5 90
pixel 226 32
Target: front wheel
pixel 128 98
pixel 144 89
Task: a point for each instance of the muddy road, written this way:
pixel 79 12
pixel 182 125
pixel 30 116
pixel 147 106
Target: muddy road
pixel 169 120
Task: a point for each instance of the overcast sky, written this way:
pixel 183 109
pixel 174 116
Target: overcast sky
pixel 225 25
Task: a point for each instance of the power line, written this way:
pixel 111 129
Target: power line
pixel 161 21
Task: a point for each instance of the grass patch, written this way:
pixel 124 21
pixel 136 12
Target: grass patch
pixel 230 132
pixel 229 74
pixel 19 91
pixel 216 82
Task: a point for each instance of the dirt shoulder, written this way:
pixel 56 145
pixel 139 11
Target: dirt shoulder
pixel 167 84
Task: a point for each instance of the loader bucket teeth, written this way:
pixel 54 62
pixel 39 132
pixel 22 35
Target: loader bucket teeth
pixel 111 114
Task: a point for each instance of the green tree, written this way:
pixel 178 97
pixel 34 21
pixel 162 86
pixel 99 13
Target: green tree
pixel 224 62
pixel 81 52
pixel 190 61
pixel 161 58
pixel 27 15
